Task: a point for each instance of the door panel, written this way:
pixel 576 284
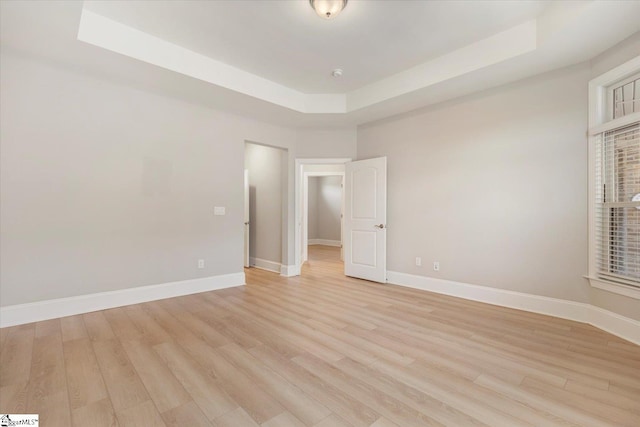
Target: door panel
pixel 365 219
pixel 364 193
pixel 363 248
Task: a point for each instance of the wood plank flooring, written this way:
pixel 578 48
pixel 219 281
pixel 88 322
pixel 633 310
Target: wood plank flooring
pixel 319 350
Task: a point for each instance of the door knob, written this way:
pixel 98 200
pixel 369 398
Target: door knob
pixel 246 223
pixel 379 226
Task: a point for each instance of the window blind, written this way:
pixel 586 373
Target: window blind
pixel 618 204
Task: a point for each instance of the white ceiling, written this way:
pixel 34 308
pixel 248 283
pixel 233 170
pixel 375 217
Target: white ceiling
pixel 272 59
pixel 286 42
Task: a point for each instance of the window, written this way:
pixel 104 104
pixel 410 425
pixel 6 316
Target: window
pixel 614 180
pixel 625 97
pixel 618 204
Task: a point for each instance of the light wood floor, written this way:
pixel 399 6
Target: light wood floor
pixel 319 350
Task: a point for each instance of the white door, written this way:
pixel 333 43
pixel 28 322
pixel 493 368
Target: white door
pixel 246 218
pixel 365 230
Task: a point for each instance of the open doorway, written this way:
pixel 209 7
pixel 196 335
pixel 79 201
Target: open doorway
pixel 265 204
pixel 323 210
pixel 323 222
pixel 319 210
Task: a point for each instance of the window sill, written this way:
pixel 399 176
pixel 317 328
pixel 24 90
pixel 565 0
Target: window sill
pixel 616 288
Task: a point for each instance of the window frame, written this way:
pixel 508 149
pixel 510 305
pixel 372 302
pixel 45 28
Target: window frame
pixel 610 97
pixel 600 120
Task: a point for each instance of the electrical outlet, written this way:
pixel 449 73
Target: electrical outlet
pixel 436 266
pixel 219 210
pixel 200 263
pixel 418 261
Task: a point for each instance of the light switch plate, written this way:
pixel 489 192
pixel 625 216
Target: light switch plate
pixel 219 210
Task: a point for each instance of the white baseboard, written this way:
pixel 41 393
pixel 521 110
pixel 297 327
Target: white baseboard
pixel 528 302
pixel 51 309
pixel 616 324
pixel 289 270
pixel 264 264
pixel 324 242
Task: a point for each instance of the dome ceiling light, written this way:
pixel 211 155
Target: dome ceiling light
pixel 327 9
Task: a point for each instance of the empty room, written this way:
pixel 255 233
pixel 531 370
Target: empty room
pixel 320 213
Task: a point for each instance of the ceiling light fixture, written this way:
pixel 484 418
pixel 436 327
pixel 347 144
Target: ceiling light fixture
pixel 327 9
pixel 337 73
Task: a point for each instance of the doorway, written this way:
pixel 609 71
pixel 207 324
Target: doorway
pixel 265 203
pixel 319 168
pixel 364 215
pixel 323 208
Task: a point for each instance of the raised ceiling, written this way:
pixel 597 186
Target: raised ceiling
pixel 273 59
pixel 285 41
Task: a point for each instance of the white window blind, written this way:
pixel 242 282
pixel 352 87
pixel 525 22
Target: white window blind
pixel 618 204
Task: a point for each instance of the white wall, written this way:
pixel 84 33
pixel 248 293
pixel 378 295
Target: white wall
pixel 323 143
pixel 493 186
pixel 325 206
pixel 312 208
pixel 105 187
pixel 329 204
pixel 265 200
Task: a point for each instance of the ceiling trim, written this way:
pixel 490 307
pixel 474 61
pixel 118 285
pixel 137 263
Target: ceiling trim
pixel 106 33
pixel 500 47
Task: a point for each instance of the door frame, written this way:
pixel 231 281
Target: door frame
pixel 247 219
pixel 299 164
pixel 285 195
